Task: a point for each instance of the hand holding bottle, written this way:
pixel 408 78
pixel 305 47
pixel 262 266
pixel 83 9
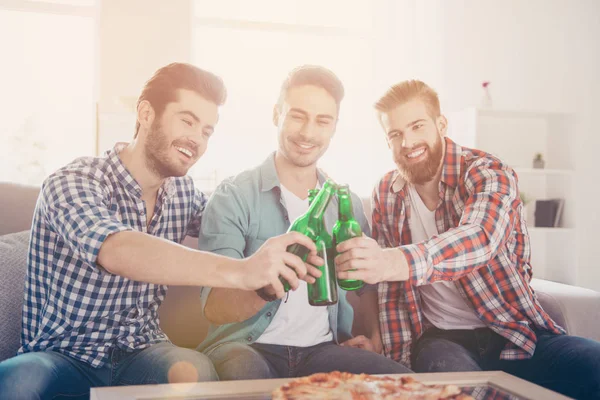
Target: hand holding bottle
pixel 362 258
pixel 272 260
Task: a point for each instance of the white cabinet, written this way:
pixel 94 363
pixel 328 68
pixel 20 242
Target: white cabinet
pixel 516 137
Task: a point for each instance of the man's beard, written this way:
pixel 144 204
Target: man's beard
pixel 157 154
pixel 425 170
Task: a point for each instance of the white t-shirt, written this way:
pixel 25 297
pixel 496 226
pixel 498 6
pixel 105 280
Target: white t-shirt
pixel 441 302
pixel 296 322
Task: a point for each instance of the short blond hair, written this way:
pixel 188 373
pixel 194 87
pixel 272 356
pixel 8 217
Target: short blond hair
pixel 314 75
pixel 406 91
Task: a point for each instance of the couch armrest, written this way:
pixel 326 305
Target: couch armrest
pixel 574 308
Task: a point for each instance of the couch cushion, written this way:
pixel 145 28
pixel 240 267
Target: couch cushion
pixel 13 267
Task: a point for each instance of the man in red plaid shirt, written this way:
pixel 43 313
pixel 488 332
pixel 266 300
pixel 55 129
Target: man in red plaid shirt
pixel 451 254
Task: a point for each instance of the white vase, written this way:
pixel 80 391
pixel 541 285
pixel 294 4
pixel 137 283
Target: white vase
pixel 486 98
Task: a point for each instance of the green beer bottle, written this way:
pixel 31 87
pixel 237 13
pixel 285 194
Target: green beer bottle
pixel 312 193
pixel 346 228
pixel 324 291
pixel 310 222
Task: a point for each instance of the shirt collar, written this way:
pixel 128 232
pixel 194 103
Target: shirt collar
pixel 123 175
pixel 269 178
pixel 450 168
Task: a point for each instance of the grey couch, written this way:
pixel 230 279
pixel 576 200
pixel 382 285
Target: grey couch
pixel 576 309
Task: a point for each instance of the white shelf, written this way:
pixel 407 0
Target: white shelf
pixel 491 112
pixel 515 137
pixel 533 229
pixel 543 171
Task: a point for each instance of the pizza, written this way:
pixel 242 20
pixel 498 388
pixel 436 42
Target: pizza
pixel 344 385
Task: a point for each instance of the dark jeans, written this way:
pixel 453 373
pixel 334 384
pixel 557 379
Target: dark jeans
pixel 51 375
pixel 235 361
pixel 566 364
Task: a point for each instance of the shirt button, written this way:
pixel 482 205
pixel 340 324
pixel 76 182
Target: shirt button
pixel 249 338
pixel 269 314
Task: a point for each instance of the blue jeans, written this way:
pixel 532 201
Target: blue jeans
pixel 566 364
pixel 51 375
pixel 234 361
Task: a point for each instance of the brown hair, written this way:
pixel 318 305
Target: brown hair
pixel 405 91
pixel 161 88
pixel 316 76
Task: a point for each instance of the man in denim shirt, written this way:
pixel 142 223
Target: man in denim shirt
pixel 252 337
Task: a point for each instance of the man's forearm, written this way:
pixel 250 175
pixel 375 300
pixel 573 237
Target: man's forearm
pixel 142 257
pixel 226 306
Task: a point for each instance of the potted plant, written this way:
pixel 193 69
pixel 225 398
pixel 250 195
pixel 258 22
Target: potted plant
pixel 538 161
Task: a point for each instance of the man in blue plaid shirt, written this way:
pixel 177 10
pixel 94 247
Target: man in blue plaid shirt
pixel 104 246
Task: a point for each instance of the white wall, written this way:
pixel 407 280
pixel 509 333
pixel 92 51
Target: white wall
pixel 136 37
pixel 539 55
pixel 586 64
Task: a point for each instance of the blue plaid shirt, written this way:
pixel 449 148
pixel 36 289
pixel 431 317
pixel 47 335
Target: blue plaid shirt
pixel 72 305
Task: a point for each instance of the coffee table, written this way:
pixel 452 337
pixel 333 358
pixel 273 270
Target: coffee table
pixel 481 385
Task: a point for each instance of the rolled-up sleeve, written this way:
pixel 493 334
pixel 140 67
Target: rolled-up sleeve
pixel 75 210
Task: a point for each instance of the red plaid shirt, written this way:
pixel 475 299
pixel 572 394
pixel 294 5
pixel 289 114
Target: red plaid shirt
pixel 483 246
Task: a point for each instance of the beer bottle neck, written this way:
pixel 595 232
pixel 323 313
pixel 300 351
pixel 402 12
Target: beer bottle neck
pixel 312 193
pixel 320 202
pixel 345 207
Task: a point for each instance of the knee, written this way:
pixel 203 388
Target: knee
pixel 364 361
pixel 581 365
pixel 397 368
pixel 438 356
pixel 192 367
pixel 206 369
pixel 589 372
pixel 16 378
pixel 442 364
pixel 236 361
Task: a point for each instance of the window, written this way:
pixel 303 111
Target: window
pixel 253 46
pixel 47 76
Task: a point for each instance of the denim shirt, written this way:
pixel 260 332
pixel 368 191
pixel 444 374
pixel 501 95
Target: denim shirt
pixel 240 216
